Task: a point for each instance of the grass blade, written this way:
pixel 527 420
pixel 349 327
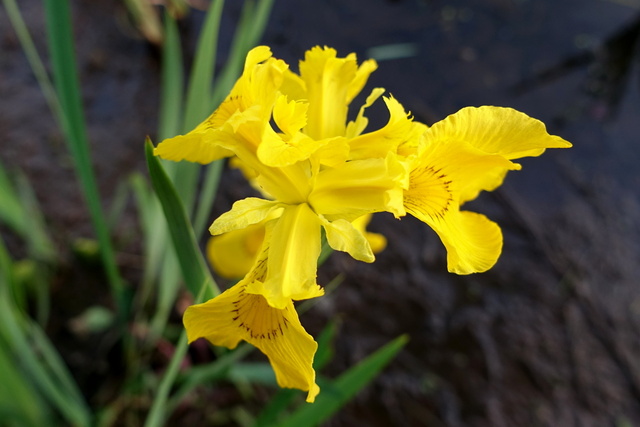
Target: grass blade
pixel 159 409
pixel 61 48
pixel 335 394
pixel 30 51
pixel 198 106
pixel 248 33
pixel 207 374
pixel 20 404
pixel 250 30
pixel 172 81
pixel 54 386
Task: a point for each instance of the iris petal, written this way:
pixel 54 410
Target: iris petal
pixel 327 79
pixel 443 173
pixel 236 315
pixel 294 247
pixel 244 213
pixel 359 187
pixel 344 236
pixel 497 130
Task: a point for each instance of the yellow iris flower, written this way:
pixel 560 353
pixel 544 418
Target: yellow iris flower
pixel 317 171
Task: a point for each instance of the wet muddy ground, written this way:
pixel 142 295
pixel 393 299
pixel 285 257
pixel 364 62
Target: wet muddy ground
pixel 549 337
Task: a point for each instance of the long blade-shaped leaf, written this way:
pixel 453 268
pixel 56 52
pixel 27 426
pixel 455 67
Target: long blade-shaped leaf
pixel 192 264
pixel 248 33
pixel 61 48
pixel 54 385
pixel 335 394
pixel 197 106
pixel 20 404
pixel 160 409
pixel 30 51
pixel 172 81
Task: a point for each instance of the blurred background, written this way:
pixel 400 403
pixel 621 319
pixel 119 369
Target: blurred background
pixel 549 337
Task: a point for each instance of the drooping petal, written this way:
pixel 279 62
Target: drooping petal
pixel 497 130
pixel 244 213
pixel 236 315
pixel 294 247
pixel 473 242
pixel 439 177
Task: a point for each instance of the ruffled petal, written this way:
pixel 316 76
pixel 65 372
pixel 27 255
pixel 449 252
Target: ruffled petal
pixel 290 116
pixel 279 151
pixel 497 130
pixel 399 130
pixel 236 315
pixel 327 79
pixel 357 126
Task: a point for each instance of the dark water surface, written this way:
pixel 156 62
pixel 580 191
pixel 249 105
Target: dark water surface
pixel 550 336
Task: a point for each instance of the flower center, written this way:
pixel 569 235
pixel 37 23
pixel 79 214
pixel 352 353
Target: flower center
pixel 429 192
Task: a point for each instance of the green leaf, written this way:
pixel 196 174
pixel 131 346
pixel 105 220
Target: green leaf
pixel 199 92
pixel 336 393
pixel 11 212
pixel 159 409
pixel 198 107
pixel 42 365
pixel 30 51
pixel 252 373
pixel 20 404
pixel 192 264
pixel 208 374
pixel 248 33
pixel 62 52
pixel 20 211
pixel 172 81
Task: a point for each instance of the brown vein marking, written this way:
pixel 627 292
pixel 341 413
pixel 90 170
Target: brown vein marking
pixel 429 192
pixel 258 318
